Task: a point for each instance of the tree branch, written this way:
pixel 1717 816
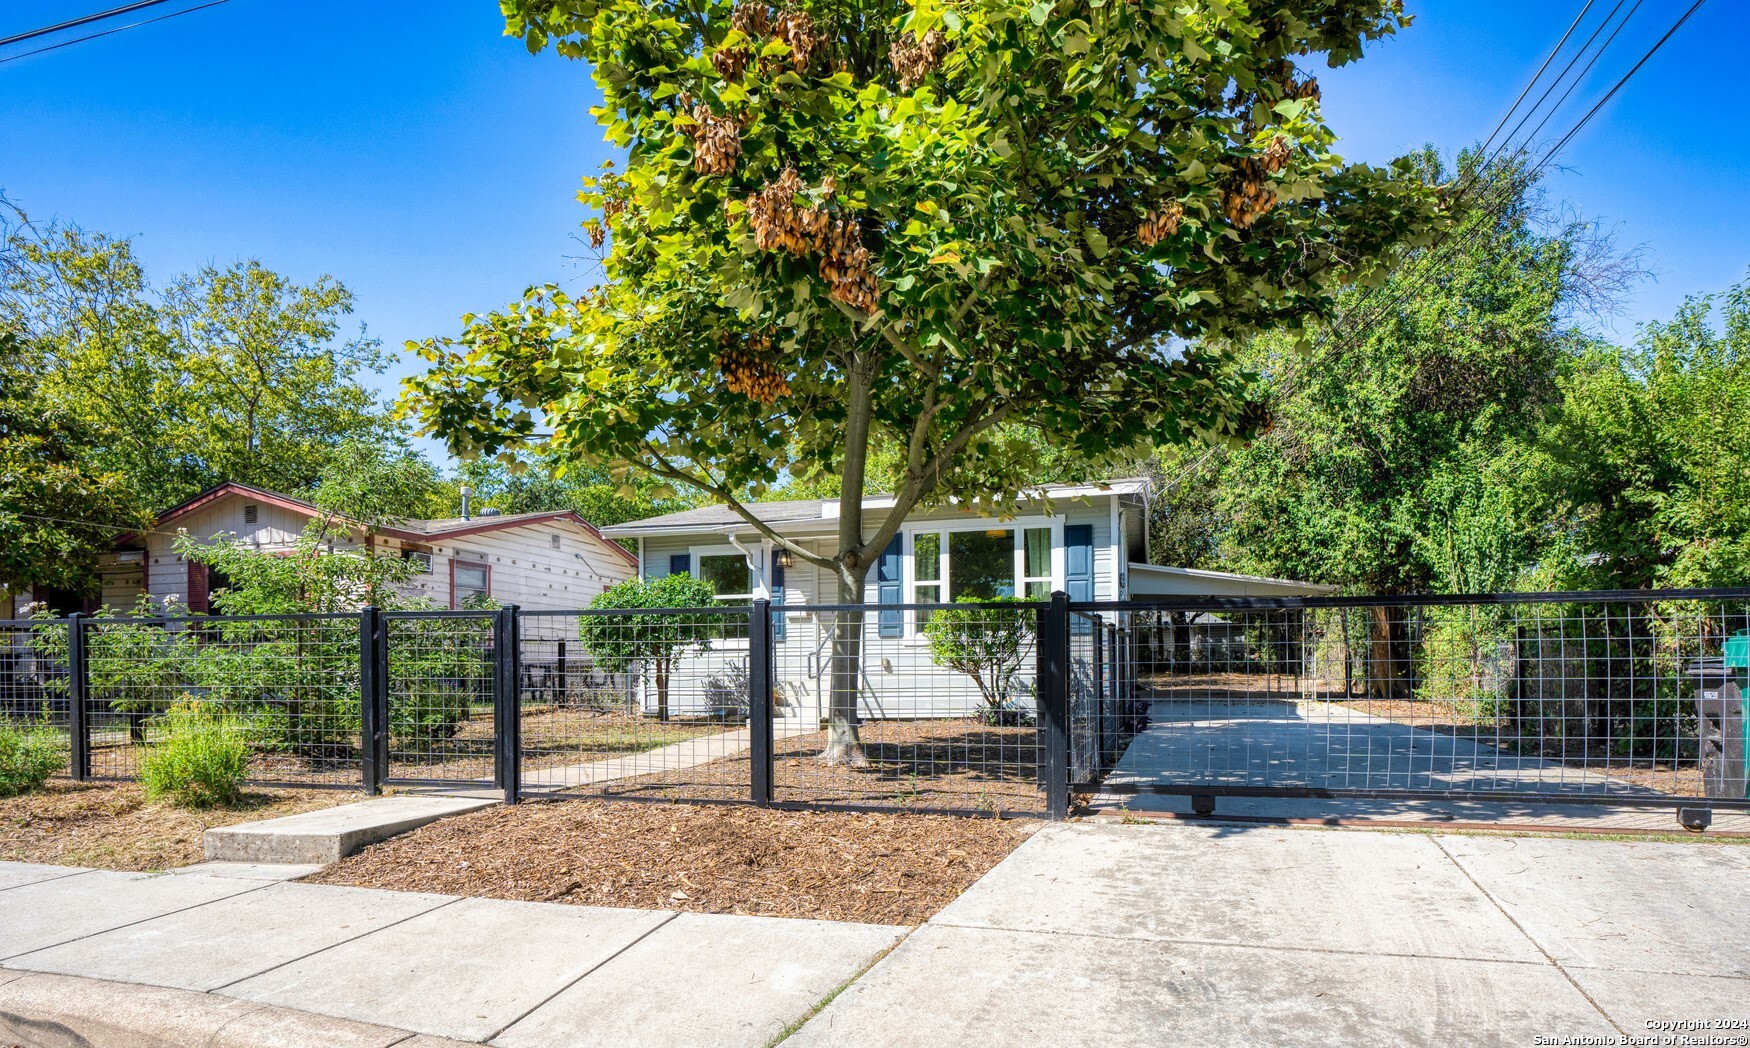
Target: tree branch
pixel 661 466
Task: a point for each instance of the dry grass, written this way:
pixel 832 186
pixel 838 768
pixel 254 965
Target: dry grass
pixel 843 866
pixel 112 826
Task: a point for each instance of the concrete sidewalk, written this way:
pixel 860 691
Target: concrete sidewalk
pixel 522 975
pixel 1106 934
pixel 1092 934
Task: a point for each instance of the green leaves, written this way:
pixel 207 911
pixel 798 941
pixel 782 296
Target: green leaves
pixel 958 249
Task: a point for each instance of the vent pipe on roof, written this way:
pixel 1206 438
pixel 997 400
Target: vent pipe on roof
pixel 465 491
pixel 488 511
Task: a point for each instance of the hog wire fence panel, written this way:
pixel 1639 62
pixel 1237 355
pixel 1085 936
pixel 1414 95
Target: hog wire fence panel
pixel 287 686
pixel 1625 697
pixel 34 682
pixel 646 704
pixel 914 706
pixel 440 678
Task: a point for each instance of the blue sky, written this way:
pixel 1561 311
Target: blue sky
pixel 431 164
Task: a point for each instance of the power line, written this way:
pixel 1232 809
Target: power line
pixel 104 33
pixel 113 12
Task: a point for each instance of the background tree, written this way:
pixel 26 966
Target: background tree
pixel 919 223
pixel 59 509
pixel 630 643
pixel 531 483
pixel 1645 468
pixel 226 374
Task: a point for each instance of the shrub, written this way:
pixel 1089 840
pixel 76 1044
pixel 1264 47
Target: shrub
pixel 201 763
pixel 989 645
pixel 29 754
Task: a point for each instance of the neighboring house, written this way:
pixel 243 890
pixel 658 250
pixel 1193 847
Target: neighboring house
pixel 1089 540
pixel 542 561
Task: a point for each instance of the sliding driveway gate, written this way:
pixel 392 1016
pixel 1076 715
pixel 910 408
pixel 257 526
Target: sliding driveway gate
pixel 1624 698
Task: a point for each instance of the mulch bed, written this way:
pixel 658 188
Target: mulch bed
pixel 960 765
pixel 843 866
pixel 111 825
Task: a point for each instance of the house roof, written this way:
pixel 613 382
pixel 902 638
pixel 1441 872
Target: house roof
pixel 790 514
pixel 1157 580
pixel 408 529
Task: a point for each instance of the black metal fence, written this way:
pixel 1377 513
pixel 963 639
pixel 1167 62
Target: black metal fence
pixel 1006 707
pixel 1626 698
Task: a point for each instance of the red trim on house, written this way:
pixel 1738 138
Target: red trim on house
pixel 231 487
pixel 477 526
pixel 481 525
pixel 458 562
pixel 199 601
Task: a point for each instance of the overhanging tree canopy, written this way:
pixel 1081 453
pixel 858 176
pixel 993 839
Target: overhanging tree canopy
pixel 924 223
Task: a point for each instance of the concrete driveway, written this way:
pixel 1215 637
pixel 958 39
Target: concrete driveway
pixel 1111 934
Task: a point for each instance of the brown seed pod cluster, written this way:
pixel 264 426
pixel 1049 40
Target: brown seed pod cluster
pixel 796 29
pixel 747 369
pixel 1159 225
pixel 716 142
pixel 914 57
pixel 1245 200
pixel 598 233
pixel 1275 157
pixel 846 267
pixel 759 22
pixel 778 224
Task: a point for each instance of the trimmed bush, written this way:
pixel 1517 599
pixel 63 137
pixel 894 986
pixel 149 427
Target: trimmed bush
pixel 29 754
pixel 201 763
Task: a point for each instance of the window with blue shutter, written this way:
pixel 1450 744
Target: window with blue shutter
pixel 1078 569
pixel 889 574
pixel 680 564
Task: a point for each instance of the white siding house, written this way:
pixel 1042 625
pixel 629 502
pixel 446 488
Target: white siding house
pixel 547 560
pixel 1088 540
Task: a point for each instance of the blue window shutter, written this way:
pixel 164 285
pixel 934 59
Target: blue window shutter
pixel 1078 568
pixel 680 564
pixel 888 572
pixel 777 597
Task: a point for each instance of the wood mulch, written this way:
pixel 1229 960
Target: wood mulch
pixel 953 764
pixel 844 866
pixel 111 825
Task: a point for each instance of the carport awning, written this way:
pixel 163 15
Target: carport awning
pixel 1155 580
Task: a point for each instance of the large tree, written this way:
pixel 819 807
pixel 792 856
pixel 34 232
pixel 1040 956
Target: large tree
pixel 1646 470
pixel 846 223
pixel 59 509
pixel 226 374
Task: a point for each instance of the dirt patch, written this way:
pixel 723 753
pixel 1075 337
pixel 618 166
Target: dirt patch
pixel 112 826
pixel 843 866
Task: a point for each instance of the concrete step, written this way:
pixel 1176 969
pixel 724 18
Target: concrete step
pixel 331 834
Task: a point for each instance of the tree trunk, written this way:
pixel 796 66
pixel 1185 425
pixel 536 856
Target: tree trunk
pixel 662 690
pixel 844 744
pixel 1385 677
pixel 1181 641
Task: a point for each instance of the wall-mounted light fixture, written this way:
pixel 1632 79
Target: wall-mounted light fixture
pixel 783 558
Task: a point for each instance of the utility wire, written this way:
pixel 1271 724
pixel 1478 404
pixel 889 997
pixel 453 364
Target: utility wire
pixel 98 35
pixel 113 12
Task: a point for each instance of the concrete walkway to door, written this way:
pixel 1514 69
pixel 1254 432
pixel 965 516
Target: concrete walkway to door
pixel 1103 934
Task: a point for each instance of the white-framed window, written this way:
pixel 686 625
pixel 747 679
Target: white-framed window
pixel 982 560
pixel 727 571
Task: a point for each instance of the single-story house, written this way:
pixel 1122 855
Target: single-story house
pixel 1089 540
pixel 546 560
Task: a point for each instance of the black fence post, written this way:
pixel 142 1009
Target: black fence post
pixel 78 699
pixel 759 700
pixel 1054 678
pixel 507 705
pixel 373 700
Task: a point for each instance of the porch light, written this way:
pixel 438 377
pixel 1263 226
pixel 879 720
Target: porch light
pixel 782 558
